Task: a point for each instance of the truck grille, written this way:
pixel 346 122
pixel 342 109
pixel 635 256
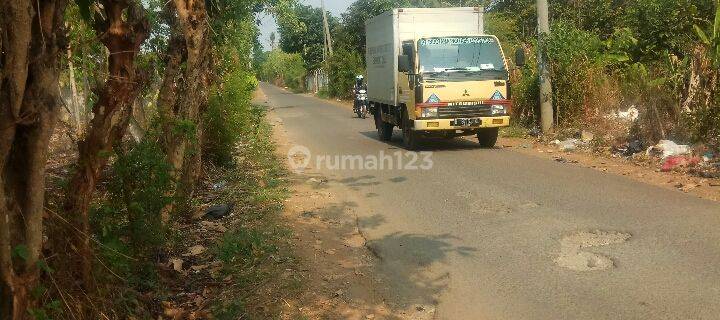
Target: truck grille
pixel 453 112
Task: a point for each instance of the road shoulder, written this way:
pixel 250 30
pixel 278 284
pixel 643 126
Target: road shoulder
pixel 338 270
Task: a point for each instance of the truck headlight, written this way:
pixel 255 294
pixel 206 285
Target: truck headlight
pixel 429 112
pixel 498 110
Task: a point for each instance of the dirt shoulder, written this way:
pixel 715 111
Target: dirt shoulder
pixel 336 267
pixel 645 171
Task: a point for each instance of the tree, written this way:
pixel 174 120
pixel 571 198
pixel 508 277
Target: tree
pixel 302 32
pixel 122 28
pixel 184 91
pixel 352 34
pixel 345 65
pixel 32 38
pixel 285 69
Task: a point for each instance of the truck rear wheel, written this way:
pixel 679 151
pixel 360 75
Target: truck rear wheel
pixel 488 137
pixel 384 129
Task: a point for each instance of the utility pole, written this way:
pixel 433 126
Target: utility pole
pixel 546 107
pixel 326 27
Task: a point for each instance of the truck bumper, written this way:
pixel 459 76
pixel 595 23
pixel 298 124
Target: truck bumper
pixel 445 124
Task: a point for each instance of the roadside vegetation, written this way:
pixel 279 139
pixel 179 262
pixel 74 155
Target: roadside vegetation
pixel 127 130
pixel 607 58
pixel 254 250
pixel 125 122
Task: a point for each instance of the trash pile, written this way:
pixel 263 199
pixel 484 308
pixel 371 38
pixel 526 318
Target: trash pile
pixel 676 157
pixel 696 160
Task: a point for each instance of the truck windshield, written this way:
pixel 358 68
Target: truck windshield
pixel 466 56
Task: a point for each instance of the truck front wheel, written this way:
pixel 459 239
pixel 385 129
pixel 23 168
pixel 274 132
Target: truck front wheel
pixel 410 137
pixel 384 129
pixel 487 137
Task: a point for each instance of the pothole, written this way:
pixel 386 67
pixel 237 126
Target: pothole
pixel 573 258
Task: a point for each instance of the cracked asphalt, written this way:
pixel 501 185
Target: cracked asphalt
pixel 477 234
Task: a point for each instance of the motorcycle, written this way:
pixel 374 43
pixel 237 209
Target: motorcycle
pixel 360 107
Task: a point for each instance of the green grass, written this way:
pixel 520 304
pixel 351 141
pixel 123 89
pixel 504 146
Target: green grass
pixel 323 94
pixel 255 250
pixel 514 131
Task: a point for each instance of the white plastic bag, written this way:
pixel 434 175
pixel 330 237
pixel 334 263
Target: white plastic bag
pixel 670 148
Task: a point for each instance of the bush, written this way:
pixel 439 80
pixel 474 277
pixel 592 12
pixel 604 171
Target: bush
pixel 128 222
pixel 284 69
pixel 665 25
pixel 572 54
pixel 526 93
pixel 704 125
pixel 227 113
pixel 585 84
pixel 345 65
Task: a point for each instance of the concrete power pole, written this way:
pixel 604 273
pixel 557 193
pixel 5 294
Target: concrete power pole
pixel 546 107
pixel 326 27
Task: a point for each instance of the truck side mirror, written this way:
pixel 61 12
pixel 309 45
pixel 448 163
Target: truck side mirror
pixel 403 63
pixel 520 57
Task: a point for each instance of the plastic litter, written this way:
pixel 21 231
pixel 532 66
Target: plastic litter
pixel 629 149
pixel 567 145
pixel 708 156
pixel 535 132
pixel 219 185
pixel 219 211
pixel 669 149
pixel 673 162
pixel 587 136
pixel 631 114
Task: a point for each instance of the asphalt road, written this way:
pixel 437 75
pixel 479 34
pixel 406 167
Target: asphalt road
pixel 496 234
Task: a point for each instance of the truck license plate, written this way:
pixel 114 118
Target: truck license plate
pixel 467 122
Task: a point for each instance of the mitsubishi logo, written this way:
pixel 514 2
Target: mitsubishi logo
pixel 466 94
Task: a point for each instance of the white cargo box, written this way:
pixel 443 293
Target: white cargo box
pixel 386 32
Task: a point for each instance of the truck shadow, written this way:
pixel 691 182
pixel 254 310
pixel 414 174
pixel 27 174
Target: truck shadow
pixel 430 144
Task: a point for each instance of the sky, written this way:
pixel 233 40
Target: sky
pixel 268 25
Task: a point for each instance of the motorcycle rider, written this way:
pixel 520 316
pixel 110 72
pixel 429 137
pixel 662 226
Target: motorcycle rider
pixel 359 84
pixel 359 90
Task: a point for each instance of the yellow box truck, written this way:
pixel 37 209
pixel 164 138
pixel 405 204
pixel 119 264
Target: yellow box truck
pixel 433 72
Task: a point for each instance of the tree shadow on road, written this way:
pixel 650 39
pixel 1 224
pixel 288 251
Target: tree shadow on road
pixel 411 266
pixel 371 222
pixel 403 271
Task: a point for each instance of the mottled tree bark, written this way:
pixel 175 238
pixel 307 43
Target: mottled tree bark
pixel 32 37
pixel 75 98
pixel 702 84
pixel 122 31
pixel 184 93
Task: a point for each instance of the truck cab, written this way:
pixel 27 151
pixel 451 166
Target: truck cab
pixel 449 83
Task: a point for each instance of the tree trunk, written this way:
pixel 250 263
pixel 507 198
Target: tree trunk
pixel 694 83
pixel 33 38
pixel 122 32
pixel 184 91
pixel 75 99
